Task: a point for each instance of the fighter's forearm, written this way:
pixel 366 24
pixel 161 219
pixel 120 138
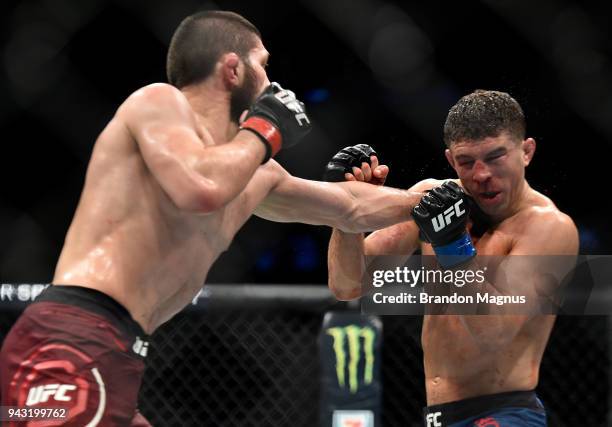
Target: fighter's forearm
pixel 346 264
pixel 374 207
pixel 353 207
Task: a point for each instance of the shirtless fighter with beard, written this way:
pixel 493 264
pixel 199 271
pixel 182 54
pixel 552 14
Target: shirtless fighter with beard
pixel 172 178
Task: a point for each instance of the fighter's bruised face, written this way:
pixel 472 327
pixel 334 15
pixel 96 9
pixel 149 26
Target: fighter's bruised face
pixel 254 82
pixel 492 170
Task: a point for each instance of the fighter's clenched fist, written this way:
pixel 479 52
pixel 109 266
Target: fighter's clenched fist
pixel 442 216
pixel 356 163
pixel 278 118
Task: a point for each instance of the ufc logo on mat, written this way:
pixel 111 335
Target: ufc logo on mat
pixel 42 393
pixel 432 419
pixel 444 219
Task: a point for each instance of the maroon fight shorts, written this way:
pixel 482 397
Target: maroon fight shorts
pixel 79 350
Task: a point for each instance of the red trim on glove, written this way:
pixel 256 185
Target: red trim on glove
pixel 266 130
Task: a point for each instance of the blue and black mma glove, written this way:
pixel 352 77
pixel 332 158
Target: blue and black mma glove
pixel 442 216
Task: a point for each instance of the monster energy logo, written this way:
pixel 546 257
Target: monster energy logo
pixel 354 336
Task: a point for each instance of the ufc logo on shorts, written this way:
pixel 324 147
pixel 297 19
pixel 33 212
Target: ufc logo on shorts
pixel 140 347
pixel 432 419
pixel 288 98
pixel 42 393
pixel 444 219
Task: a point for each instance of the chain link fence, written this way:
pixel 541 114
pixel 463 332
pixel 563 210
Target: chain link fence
pixel 252 360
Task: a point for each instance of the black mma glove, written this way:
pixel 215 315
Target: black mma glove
pixel 481 222
pixel 278 118
pixel 345 159
pixel 442 216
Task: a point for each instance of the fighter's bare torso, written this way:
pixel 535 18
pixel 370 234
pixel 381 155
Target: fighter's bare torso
pixel 171 180
pixel 130 241
pixel 456 365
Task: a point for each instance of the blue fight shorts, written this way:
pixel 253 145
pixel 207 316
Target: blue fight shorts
pixel 512 409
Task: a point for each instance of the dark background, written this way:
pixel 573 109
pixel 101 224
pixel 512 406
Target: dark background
pixel 378 72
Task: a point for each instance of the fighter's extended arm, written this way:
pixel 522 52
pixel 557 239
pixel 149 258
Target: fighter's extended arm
pixel 350 206
pixel 349 254
pixel 196 177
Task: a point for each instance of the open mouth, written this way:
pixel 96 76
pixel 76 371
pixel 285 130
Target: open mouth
pixel 489 195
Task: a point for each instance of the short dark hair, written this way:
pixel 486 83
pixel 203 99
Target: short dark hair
pixel 201 39
pixel 482 114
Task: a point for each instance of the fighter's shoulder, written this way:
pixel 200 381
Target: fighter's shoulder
pixel 429 183
pixel 542 216
pixel 157 92
pixel 156 97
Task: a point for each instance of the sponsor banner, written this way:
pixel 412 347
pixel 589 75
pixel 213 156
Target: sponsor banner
pixel 350 353
pixel 344 418
pixel 20 292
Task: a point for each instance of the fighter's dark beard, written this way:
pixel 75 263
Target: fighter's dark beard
pixel 243 96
